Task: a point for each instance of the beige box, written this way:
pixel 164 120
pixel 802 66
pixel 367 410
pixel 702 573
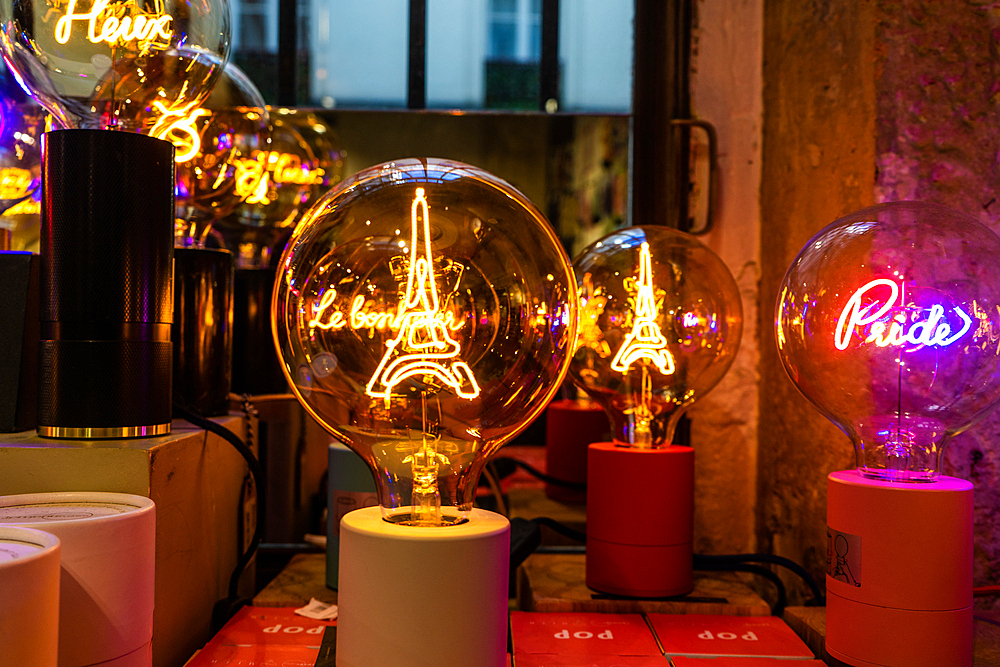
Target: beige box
pixel 197 481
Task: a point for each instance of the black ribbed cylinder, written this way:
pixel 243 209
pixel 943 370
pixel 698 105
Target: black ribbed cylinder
pixel 256 368
pixel 203 329
pixel 106 284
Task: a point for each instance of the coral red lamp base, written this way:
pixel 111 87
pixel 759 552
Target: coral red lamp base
pixel 640 518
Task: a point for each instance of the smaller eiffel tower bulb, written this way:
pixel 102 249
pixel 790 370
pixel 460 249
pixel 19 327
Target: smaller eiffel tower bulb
pixel 660 324
pixel 425 314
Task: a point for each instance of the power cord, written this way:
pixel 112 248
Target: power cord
pixel 529 534
pixel 502 461
pixel 224 609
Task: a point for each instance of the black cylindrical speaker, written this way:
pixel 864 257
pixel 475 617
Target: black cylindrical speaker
pixel 106 285
pixel 203 329
pixel 256 368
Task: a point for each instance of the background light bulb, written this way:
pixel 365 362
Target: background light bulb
pixel 22 123
pixel 228 128
pixel 888 322
pixel 325 144
pixel 424 312
pixel 660 324
pixel 120 63
pixel 274 183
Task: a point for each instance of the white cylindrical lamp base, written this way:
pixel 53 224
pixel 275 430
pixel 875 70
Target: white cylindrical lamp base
pixel 29 597
pixel 107 561
pixel 899 579
pixel 423 596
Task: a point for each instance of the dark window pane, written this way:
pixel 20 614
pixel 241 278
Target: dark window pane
pixel 503 40
pixel 253 32
pixel 509 6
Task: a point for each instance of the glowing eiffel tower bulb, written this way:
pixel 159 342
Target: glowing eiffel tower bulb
pixel 653 339
pixel 400 315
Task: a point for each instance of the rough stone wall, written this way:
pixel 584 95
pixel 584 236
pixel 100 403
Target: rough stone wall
pixel 938 140
pixel 818 164
pixel 726 91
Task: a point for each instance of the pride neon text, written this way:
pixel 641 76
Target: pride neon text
pixel 886 328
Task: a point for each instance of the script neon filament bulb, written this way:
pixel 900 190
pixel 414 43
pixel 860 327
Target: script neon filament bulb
pixel 888 321
pixel 424 313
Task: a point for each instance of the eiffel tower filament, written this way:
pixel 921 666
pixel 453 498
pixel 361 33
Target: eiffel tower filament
pixel 423 345
pixel 645 341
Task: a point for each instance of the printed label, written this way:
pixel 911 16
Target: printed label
pixel 843 556
pixel 59 512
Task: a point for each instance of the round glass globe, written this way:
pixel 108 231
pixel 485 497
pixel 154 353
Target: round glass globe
pixel 325 145
pixel 226 130
pixel 424 312
pixel 22 123
pixel 888 321
pixel 660 324
pixel 127 64
pixel 274 184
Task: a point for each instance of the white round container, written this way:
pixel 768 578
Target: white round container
pixel 423 596
pixel 29 597
pixel 107 572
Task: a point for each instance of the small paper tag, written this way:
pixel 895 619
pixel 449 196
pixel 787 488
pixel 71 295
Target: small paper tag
pixel 321 611
pixel 843 556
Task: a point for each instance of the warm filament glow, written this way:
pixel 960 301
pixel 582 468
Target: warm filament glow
pixel 123 23
pixel 16 184
pixel 423 342
pixel 932 331
pixel 177 127
pixel 360 318
pixel 645 341
pixel 253 175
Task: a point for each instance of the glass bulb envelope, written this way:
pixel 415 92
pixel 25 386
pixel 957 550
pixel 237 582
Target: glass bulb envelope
pixel 129 64
pixel 660 324
pixel 425 314
pixel 888 321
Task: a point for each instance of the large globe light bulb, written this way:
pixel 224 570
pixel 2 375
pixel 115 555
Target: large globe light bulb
pixel 660 324
pixel 887 322
pixel 425 314
pixel 127 64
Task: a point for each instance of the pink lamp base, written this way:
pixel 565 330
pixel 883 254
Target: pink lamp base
pixel 890 637
pixel 899 573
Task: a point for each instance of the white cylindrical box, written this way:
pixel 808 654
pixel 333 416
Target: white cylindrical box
pixel 107 567
pixel 422 596
pixel 29 597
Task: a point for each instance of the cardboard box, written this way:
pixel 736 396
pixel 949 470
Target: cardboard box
pixel 743 636
pixel 581 634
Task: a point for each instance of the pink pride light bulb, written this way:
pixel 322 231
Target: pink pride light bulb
pixel 888 322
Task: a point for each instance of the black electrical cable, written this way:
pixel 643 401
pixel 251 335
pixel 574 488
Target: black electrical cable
pixel 818 599
pixel 782 602
pixel 724 563
pixel 535 472
pixel 258 477
pixel 561 528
